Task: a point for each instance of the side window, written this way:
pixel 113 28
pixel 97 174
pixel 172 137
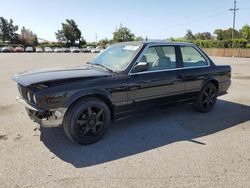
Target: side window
pixel 159 58
pixel 191 57
pixel 150 55
pixel 169 51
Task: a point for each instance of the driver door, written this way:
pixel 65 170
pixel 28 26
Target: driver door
pixel 160 84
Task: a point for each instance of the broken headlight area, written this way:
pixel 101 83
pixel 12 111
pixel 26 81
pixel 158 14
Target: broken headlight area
pixel 47 118
pixel 40 115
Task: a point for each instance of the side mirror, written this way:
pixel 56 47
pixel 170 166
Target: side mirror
pixel 140 67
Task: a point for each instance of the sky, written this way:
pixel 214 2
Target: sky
pixel 156 19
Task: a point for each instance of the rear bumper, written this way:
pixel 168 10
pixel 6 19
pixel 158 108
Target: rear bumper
pixel 224 86
pixel 46 118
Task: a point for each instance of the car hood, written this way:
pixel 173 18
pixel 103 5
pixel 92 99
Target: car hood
pixel 57 74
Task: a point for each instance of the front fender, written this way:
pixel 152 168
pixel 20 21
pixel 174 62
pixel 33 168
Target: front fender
pixel 92 92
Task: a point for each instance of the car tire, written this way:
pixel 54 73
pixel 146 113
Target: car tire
pixel 207 98
pixel 86 121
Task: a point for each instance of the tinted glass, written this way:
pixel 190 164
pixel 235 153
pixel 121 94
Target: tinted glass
pixel 117 57
pixel 150 55
pixel 192 58
pixel 169 51
pixel 160 57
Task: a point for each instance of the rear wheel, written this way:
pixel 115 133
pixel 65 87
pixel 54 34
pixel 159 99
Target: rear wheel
pixel 207 98
pixel 87 121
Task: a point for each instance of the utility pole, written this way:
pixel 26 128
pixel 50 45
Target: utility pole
pixel 96 37
pixel 234 16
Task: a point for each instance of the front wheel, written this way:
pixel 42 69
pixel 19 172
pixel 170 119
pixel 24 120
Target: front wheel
pixel 206 99
pixel 87 121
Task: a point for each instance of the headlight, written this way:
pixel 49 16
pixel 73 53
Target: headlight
pixel 34 99
pixel 19 89
pixel 29 96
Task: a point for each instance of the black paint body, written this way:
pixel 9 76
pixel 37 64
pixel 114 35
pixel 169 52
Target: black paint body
pixel 125 94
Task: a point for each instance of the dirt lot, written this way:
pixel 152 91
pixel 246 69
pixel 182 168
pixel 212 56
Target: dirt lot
pixel 176 147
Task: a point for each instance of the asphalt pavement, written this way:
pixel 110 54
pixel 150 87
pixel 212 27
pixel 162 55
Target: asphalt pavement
pixel 174 147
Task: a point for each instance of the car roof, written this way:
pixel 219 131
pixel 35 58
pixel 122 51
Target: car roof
pixel 169 43
pixel 159 43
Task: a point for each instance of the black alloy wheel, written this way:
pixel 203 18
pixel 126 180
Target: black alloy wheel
pixel 91 121
pixel 87 121
pixel 207 98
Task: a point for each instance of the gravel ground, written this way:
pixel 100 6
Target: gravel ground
pixel 175 147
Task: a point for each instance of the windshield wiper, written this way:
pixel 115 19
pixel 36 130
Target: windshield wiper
pixel 110 70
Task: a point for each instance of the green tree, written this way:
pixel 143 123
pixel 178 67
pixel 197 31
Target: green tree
pixel 123 34
pixel 94 44
pixel 8 30
pixel 82 42
pixel 226 34
pixel 171 39
pixel 189 35
pixel 34 41
pixel 139 38
pixel 203 36
pixel 104 42
pixel 245 32
pixel 70 33
pixel 219 34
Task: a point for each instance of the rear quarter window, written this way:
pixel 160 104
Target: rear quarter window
pixel 192 58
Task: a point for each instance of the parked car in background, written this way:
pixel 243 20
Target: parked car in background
pixel 84 50
pixel 29 49
pixel 100 49
pixel 89 48
pixel 7 49
pixel 48 49
pixel 95 50
pixel 75 50
pixel 66 50
pixel 39 49
pixel 58 50
pixel 126 79
pixel 19 49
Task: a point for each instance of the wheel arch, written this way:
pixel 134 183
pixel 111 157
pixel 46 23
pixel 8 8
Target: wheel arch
pixel 101 95
pixel 212 80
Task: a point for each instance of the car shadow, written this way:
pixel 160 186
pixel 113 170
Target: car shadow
pixel 152 130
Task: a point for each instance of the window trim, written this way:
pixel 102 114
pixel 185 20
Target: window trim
pixel 166 70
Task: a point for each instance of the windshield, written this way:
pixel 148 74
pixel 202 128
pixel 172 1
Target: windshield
pixel 117 57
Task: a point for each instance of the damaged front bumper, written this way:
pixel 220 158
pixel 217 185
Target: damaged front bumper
pixel 46 118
